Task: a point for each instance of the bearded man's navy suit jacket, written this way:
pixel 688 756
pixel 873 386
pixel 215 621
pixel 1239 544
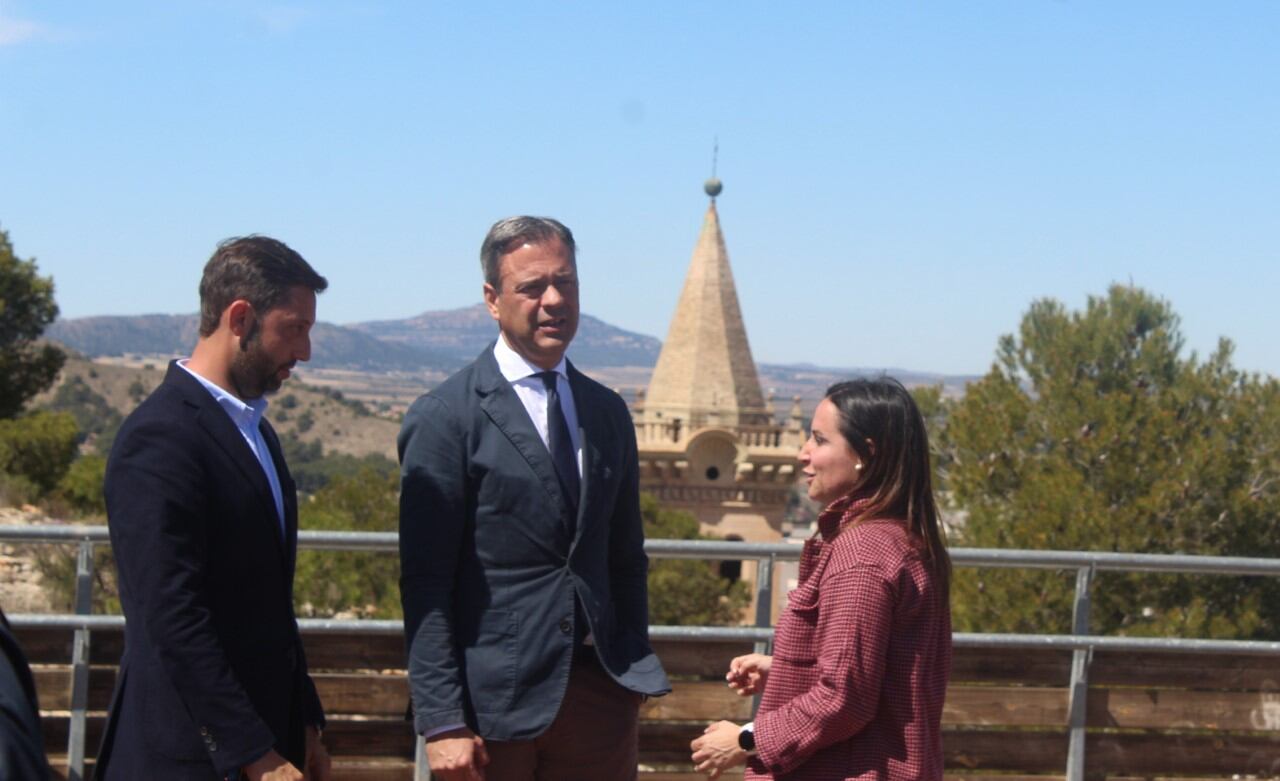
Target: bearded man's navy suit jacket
pixel 213 674
pixel 491 558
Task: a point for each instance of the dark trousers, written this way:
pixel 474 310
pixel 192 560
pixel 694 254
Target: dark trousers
pixel 594 737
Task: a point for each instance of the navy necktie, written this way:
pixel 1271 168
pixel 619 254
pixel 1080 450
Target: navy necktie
pixel 560 443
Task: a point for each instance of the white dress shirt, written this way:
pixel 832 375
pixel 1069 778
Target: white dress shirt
pixel 533 394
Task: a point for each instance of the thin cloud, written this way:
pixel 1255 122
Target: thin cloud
pixel 16 31
pixel 282 18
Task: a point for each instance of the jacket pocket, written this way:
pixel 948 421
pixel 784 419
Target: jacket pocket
pixel 796 638
pixel 491 662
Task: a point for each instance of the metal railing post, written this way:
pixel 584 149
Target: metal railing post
pixel 80 664
pixel 1080 659
pixel 421 771
pixel 764 599
pixel 764 611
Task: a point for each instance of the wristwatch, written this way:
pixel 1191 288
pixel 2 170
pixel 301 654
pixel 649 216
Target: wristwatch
pixel 747 738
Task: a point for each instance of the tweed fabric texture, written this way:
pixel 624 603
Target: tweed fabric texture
pixel 861 659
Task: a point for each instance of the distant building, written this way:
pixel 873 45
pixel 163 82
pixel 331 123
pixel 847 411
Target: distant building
pixel 710 442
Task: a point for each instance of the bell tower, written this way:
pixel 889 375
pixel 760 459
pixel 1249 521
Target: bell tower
pixel 710 442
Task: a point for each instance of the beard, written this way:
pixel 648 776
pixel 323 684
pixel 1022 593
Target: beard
pixel 254 371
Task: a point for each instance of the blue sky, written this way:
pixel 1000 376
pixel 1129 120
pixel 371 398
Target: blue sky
pixel 901 179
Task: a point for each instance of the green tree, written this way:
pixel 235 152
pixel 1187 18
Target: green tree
pixel 26 308
pixel 38 448
pixel 1093 432
pixel 687 591
pixel 81 486
pixel 361 583
pixel 93 414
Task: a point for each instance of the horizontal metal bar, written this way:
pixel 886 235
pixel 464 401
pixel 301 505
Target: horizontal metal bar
pixel 726 550
pixel 746 634
pixel 1115 562
pixel 64 621
pixel 51 533
pixel 1126 644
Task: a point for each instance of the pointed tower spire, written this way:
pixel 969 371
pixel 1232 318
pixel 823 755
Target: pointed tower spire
pixel 705 374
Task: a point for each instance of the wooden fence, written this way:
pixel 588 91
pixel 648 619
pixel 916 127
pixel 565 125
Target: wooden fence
pixel 1157 715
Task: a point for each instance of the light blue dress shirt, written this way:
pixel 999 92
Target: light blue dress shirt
pixel 247 417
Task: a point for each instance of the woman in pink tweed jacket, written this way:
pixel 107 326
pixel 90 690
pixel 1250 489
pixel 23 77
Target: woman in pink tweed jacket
pixel 855 686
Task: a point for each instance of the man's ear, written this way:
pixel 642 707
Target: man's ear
pixel 491 300
pixel 239 318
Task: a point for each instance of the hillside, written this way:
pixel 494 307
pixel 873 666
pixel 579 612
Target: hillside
pixel 333 346
pixel 312 413
pixel 461 334
pixel 431 342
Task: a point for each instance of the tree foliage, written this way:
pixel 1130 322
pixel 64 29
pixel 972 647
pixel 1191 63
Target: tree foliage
pixel 1093 432
pixel 38 447
pixel 26 308
pixel 687 591
pixel 356 583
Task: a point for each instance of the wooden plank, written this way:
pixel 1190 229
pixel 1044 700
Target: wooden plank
pixel 53 686
pixel 53 646
pixel 1162 709
pixel 702 659
pixel 345 770
pixel 1029 706
pixel 1221 754
pixel 1027 666
pixel 1023 751
pixel 702 701
pixel 330 651
pixel 1181 709
pixel 367 694
pixel 1183 670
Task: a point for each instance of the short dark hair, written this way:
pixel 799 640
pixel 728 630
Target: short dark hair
pixel 258 269
pixel 508 234
pixel 881 422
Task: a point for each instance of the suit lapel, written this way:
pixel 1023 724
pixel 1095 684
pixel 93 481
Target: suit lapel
pixel 595 433
pixel 217 423
pixel 500 402
pixel 288 493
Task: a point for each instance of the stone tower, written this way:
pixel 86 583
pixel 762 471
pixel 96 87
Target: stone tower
pixel 709 440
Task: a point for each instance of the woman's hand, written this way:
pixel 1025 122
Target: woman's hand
pixel 747 674
pixel 717 750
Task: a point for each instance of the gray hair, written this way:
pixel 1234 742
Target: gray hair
pixel 508 234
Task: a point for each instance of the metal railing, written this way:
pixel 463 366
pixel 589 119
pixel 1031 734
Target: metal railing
pixel 766 555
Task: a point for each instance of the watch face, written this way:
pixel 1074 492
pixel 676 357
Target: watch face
pixel 747 740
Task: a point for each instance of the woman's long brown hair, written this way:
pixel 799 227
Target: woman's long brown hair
pixel 881 422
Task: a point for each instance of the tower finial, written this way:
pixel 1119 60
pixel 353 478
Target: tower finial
pixel 712 186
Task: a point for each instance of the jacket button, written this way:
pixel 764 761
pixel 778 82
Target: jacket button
pixel 565 626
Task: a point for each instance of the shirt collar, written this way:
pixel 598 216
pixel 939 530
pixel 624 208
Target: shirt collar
pixel 513 365
pixel 246 415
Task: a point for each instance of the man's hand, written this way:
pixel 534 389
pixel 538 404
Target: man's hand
pixel 316 767
pixel 272 767
pixel 717 750
pixel 457 755
pixel 748 674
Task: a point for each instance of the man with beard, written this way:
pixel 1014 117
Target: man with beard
pixel 213 682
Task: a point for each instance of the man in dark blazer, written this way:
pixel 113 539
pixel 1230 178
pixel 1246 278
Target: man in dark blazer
pixel 21 744
pixel 202 511
pixel 523 573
